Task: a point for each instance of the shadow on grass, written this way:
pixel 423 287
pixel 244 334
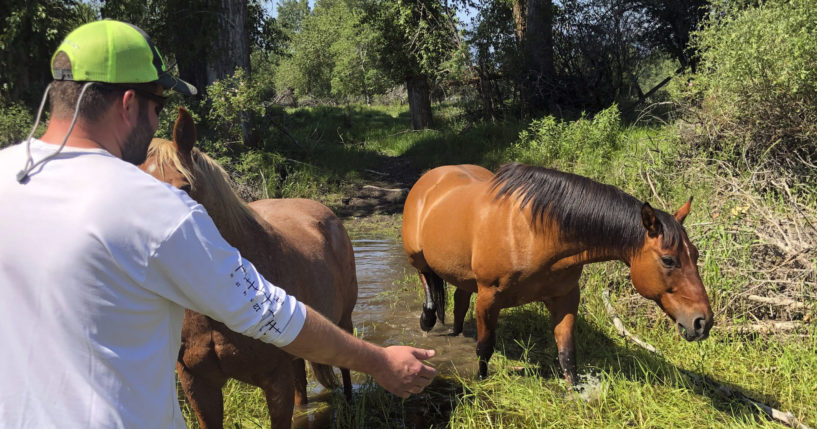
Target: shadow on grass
pixel 597 351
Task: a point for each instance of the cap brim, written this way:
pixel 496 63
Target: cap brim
pixel 176 84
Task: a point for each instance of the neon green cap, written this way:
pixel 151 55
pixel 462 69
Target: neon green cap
pixel 115 52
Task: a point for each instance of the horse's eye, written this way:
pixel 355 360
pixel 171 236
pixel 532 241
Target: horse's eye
pixel 668 261
pixel 186 188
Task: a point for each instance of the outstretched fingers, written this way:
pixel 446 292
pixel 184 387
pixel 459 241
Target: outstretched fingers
pixel 404 372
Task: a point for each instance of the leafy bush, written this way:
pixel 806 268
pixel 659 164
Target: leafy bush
pixel 15 124
pixel 232 102
pixel 757 81
pixel 549 140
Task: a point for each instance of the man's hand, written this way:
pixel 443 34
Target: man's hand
pixel 399 369
pixel 403 372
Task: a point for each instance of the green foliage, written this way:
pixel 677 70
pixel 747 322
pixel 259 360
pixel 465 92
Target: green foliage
pixel 334 55
pixel 230 100
pixel 758 80
pixel 309 68
pixel 549 140
pixel 30 31
pixel 291 13
pixel 418 37
pixel 357 71
pixel 15 123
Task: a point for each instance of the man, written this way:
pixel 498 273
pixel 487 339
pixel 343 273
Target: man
pixel 98 259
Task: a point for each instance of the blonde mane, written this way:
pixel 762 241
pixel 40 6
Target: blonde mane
pixel 211 187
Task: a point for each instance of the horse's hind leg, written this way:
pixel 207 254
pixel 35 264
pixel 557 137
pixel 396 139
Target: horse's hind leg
pixel 462 300
pixel 428 318
pixel 345 374
pixel 299 375
pixel 205 399
pixel 280 394
pixel 347 383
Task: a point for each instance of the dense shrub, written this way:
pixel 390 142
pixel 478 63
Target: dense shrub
pixel 757 81
pixel 549 140
pixel 15 123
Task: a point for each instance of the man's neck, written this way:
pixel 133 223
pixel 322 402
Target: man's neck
pixel 82 136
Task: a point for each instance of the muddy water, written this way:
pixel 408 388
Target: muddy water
pixel 388 313
pixel 388 307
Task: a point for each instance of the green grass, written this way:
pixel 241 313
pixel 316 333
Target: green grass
pixel 625 386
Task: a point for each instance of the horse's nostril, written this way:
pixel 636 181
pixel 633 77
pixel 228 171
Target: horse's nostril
pixel 699 325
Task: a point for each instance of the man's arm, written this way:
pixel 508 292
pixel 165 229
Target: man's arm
pixel 399 369
pixel 196 268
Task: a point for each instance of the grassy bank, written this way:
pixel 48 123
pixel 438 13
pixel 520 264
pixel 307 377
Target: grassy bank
pixel 754 230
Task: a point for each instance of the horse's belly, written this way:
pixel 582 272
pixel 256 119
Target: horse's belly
pixel 542 286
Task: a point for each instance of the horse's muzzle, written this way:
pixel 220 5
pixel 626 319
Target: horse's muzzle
pixel 695 331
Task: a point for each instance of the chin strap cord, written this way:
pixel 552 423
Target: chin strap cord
pixel 22 175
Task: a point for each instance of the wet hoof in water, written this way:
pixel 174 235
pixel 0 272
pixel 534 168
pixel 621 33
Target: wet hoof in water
pixel 427 319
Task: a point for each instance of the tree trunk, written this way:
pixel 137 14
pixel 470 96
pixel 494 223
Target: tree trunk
pixel 538 49
pixel 232 50
pixel 519 19
pixel 419 101
pixel 206 54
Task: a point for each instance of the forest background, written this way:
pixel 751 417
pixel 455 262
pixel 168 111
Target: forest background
pixel 662 98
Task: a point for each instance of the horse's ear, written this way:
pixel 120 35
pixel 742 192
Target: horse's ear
pixel 650 221
pixel 682 213
pixel 184 131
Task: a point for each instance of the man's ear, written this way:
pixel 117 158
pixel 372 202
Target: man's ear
pixel 650 221
pixel 126 103
pixel 184 131
pixel 682 212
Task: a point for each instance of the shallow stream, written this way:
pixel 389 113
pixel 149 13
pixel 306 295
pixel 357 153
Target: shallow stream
pixel 388 313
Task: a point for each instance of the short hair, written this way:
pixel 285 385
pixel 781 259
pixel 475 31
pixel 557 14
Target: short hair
pixel 97 100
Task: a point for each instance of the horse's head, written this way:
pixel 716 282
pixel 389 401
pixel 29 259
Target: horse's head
pixel 665 270
pixel 172 161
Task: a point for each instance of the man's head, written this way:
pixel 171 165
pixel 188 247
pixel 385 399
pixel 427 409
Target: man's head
pixel 123 64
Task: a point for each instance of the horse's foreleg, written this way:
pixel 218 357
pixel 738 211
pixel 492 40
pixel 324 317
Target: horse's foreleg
pixel 462 299
pixel 563 312
pixel 204 398
pixel 487 312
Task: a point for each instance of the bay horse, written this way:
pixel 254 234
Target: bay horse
pixel 525 233
pixel 296 244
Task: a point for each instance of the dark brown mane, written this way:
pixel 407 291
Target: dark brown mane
pixel 593 213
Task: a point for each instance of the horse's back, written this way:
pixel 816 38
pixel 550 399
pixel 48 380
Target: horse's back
pixel 312 231
pixel 438 210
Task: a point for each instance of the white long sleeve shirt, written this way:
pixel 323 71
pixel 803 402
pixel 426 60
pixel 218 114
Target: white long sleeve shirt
pixel 97 262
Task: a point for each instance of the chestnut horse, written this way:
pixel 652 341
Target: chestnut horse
pixel 297 244
pixel 525 233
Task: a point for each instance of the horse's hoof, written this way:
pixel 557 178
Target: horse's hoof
pixel 427 320
pixel 483 370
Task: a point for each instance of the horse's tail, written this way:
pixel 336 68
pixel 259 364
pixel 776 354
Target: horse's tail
pixel 325 375
pixel 435 301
